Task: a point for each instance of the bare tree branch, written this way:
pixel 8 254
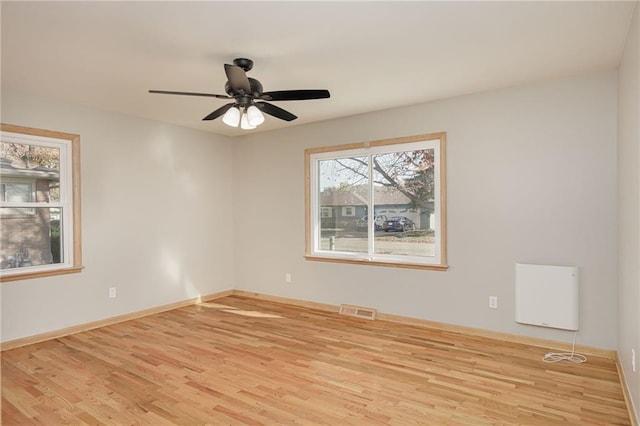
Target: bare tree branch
pixel 416 200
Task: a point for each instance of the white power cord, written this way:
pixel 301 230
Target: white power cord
pixel 576 358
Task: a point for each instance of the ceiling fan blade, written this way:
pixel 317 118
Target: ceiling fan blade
pixel 295 95
pixel 209 95
pixel 237 78
pixel 275 111
pixel 220 111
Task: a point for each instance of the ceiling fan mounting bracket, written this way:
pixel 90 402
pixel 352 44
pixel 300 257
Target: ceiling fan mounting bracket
pixel 244 63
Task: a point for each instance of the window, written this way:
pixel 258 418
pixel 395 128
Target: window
pixel 39 203
pixel 348 211
pixel 326 212
pixel 397 186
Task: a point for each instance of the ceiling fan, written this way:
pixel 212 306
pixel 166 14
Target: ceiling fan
pixel 249 99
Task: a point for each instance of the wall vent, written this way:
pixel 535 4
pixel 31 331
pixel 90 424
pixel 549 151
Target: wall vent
pixel 358 311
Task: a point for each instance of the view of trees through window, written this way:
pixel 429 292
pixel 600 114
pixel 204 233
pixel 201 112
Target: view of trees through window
pixel 380 203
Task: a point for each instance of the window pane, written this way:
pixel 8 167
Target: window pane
pixel 30 239
pixel 343 198
pixel 29 173
pixel 404 203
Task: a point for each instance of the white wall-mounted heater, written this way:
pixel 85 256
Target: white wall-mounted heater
pixel 547 296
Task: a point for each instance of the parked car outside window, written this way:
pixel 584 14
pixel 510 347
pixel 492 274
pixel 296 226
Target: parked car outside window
pixel 362 223
pixel 398 223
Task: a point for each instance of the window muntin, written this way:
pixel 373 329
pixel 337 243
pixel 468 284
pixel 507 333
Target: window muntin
pixel 401 181
pixel 40 226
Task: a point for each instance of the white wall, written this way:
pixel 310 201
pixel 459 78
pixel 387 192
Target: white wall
pixel 156 207
pixel 629 208
pixel 531 178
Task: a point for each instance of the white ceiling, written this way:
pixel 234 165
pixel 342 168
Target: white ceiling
pixel 370 55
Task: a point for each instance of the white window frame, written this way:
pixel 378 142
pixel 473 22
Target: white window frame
pixel 69 203
pixel 435 141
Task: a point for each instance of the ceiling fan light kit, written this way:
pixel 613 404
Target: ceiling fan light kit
pixel 244 123
pixel 245 110
pixel 248 119
pixel 255 116
pixel 232 117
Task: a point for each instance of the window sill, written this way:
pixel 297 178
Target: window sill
pixel 40 274
pixel 377 263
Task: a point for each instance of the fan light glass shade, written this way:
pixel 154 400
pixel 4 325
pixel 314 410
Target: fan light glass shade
pixel 232 117
pixel 244 123
pixel 254 116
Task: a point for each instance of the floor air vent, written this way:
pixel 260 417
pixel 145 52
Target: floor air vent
pixel 357 311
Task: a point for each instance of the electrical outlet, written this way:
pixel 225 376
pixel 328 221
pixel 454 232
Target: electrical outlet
pixel 633 360
pixel 493 302
pixel 287 278
pixel 112 292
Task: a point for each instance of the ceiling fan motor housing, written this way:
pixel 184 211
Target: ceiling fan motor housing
pixel 254 85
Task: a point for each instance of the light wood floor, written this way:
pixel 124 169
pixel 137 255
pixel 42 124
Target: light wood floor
pixel 258 362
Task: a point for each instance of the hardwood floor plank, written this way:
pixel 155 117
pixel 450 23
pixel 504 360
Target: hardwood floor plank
pixel 247 361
